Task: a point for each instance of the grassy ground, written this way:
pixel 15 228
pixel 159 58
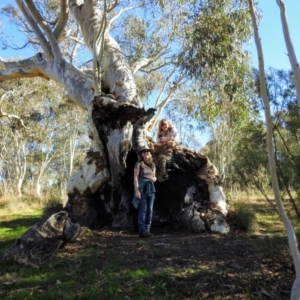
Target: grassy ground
pixel 171 265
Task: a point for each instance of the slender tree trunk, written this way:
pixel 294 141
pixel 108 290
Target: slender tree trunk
pixel 290 49
pixel 295 293
pixel 20 165
pixel 40 174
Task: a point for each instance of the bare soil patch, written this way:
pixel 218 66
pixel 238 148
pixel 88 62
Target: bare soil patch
pixel 203 266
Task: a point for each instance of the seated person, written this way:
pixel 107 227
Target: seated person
pixel 167 132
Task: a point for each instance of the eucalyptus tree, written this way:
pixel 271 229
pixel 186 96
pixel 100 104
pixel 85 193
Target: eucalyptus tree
pixel 117 123
pixel 32 132
pixel 213 55
pixel 283 102
pixel 70 143
pixel 292 239
pixel 13 139
pixel 290 48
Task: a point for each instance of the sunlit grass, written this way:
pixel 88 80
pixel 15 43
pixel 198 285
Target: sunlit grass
pixel 16 216
pixel 87 275
pixel 257 216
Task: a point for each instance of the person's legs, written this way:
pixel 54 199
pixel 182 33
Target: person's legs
pixel 142 214
pixel 149 213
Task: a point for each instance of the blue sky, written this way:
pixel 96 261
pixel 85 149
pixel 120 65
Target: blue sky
pixel 270 31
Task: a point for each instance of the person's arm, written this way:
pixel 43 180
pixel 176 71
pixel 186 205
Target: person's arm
pixel 154 175
pixel 136 182
pixel 174 135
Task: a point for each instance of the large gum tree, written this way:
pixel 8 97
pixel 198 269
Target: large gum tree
pixel 189 189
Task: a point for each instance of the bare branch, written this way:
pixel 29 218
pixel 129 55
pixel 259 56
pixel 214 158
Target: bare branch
pixel 72 38
pixel 20 122
pixel 35 28
pixel 159 105
pixel 295 292
pixel 110 8
pixel 137 65
pixel 40 20
pixel 114 18
pixel 156 68
pixel 164 87
pixel 63 18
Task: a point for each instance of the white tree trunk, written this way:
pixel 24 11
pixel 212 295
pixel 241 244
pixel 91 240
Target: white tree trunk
pixel 290 49
pixel 295 293
pixel 41 171
pixel 20 164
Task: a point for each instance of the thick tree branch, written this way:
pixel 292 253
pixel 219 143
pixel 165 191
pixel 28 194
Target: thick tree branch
pixel 116 75
pixel 98 50
pixel 26 68
pixel 77 84
pixel 62 21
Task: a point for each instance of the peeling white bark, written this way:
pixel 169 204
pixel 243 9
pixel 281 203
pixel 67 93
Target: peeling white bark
pixel 116 75
pixel 77 84
pixel 89 177
pixel 96 144
pixel 216 194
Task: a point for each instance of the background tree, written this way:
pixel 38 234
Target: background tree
pixel 41 129
pixel 213 56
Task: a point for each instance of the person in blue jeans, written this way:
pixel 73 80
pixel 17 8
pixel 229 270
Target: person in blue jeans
pixel 144 177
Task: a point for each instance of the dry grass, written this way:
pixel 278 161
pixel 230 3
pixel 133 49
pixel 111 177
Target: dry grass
pixel 257 216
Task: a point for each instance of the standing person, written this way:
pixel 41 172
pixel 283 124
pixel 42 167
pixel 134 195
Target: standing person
pixel 167 132
pixel 144 177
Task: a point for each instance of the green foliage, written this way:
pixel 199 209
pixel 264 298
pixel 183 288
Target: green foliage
pixel 251 160
pixel 51 126
pixel 214 37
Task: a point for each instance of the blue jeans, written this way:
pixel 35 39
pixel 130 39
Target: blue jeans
pixel 145 212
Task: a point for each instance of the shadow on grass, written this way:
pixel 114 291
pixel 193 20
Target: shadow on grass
pixel 4 245
pixel 171 265
pixel 12 230
pixel 23 221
